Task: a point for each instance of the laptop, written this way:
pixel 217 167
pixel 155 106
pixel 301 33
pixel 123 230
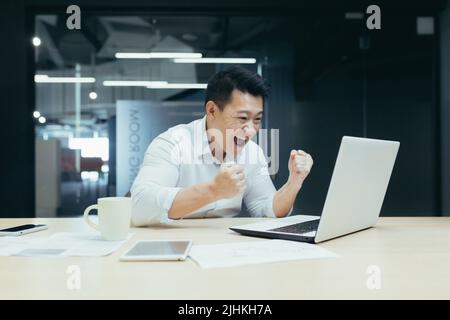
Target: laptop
pixel 358 185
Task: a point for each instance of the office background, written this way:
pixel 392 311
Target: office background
pixel 330 77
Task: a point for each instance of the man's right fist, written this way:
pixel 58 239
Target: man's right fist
pixel 229 181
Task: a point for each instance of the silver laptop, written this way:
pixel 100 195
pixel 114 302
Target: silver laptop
pixel 354 199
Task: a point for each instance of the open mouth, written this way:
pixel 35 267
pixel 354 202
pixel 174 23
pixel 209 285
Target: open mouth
pixel 240 142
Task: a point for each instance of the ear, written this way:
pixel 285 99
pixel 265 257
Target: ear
pixel 211 109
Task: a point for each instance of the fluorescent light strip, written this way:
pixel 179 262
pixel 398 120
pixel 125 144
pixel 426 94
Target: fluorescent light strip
pixel 354 15
pixel 216 60
pixel 179 86
pixel 43 78
pixel 131 83
pixel 156 55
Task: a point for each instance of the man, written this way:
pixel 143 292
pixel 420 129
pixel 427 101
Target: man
pixel 203 169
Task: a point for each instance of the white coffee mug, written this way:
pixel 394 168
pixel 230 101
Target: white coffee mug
pixel 114 214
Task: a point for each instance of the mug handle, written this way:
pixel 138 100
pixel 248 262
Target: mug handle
pixel 86 216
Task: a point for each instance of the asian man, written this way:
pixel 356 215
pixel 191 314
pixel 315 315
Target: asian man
pixel 206 168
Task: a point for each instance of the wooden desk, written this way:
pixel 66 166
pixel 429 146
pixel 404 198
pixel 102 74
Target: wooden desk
pixel 413 255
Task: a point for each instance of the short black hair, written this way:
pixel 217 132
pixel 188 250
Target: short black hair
pixel 222 84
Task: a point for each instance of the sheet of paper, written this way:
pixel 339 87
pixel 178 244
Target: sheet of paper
pixel 244 253
pixel 11 245
pixel 60 244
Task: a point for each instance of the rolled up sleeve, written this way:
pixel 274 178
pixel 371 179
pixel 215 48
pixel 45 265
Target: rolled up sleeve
pixel 154 189
pixel 259 195
pixel 260 192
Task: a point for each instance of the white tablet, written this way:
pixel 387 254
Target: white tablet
pixel 146 250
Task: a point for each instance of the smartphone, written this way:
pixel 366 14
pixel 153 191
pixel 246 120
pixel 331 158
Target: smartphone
pixel 147 250
pixel 23 229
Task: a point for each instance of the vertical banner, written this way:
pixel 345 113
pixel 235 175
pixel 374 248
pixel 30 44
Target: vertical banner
pixel 134 133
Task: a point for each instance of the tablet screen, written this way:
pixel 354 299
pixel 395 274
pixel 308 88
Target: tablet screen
pixel 158 248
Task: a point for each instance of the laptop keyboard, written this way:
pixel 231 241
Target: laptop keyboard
pixel 299 228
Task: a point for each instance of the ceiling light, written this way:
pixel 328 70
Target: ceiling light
pixel 216 60
pixel 179 86
pixel 131 83
pixel 36 41
pixel 42 78
pixel 189 37
pixel 93 95
pixel 42 120
pixel 156 55
pixel 36 114
pixel 354 15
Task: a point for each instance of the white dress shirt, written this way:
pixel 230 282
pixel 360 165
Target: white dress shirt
pixel 181 157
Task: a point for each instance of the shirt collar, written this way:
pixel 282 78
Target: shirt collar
pixel 201 144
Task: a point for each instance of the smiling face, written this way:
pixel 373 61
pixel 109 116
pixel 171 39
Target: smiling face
pixel 235 124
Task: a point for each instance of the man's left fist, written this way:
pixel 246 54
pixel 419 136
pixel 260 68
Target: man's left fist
pixel 299 165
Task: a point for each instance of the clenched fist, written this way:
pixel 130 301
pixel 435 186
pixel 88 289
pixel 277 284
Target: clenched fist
pixel 229 181
pixel 299 165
